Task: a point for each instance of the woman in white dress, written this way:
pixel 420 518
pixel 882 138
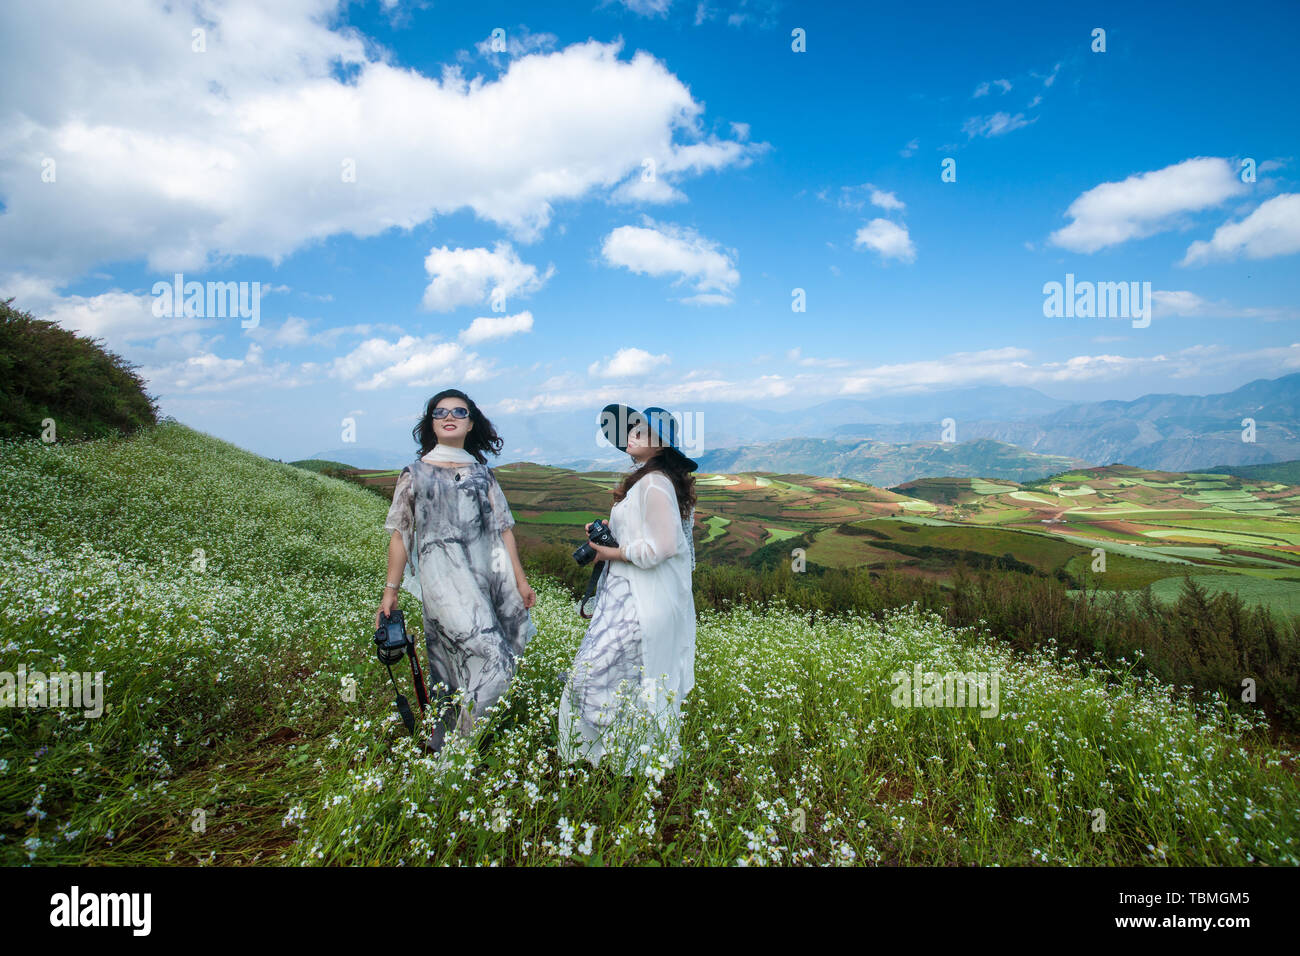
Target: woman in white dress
pixel 624 693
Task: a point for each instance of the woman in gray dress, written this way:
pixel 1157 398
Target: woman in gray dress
pixel 453 548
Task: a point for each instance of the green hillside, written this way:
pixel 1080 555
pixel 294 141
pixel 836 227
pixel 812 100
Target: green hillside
pixel 61 386
pixel 1285 472
pixel 321 464
pixel 229 602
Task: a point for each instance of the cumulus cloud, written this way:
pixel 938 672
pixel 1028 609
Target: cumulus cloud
pixel 471 276
pixel 486 328
pixel 887 238
pixel 1273 229
pixel 1146 203
pixel 627 363
pixel 207 372
pixel 410 360
pixel 289 128
pixel 660 249
pixel 885 200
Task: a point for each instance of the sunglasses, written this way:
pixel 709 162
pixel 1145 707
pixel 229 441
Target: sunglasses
pixel 460 411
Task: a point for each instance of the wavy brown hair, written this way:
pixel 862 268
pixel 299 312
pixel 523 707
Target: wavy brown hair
pixel 482 437
pixel 671 464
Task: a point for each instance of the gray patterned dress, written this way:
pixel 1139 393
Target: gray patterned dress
pixel 475 622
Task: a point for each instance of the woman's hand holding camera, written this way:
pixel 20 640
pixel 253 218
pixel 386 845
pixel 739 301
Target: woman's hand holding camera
pixel 603 552
pixel 386 606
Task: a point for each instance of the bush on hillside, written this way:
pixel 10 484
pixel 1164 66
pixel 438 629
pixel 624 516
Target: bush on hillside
pixel 47 372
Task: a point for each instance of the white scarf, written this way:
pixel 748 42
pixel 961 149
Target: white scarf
pixel 447 453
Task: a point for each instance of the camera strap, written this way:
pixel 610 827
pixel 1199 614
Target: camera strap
pixel 417 678
pixel 403 708
pixel 591 588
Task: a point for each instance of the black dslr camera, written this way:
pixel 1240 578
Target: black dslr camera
pixel 392 643
pixel 391 639
pixel 601 535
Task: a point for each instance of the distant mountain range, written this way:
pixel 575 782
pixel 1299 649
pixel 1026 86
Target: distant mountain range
pixel 1165 432
pixel 902 435
pixel 884 464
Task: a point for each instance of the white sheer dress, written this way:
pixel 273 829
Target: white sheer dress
pixel 637 660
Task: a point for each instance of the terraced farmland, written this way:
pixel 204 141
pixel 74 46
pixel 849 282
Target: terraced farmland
pixel 1114 528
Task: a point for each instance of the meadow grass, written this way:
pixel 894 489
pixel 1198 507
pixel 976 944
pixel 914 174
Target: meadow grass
pixel 247 720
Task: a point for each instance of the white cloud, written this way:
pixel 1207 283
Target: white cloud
pixel 183 158
pixel 887 238
pixel 207 372
pixel 885 200
pixel 855 197
pixel 983 88
pixel 995 125
pixel 665 249
pixel 706 298
pixel 294 330
pixel 425 361
pixel 485 328
pixel 1010 365
pixel 120 318
pixel 1273 229
pixel 912 146
pixel 671 395
pixel 796 356
pixel 470 276
pixel 1146 203
pixel 627 363
pixel 1185 303
pixel 648 8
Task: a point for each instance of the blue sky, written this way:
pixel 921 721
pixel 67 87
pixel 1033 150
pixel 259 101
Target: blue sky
pixel 775 170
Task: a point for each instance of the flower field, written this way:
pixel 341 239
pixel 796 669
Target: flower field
pixel 229 603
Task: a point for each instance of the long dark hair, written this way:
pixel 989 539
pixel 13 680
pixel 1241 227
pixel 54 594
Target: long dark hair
pixel 671 464
pixel 482 437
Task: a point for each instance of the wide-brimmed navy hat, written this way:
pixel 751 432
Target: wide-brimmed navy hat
pixel 617 420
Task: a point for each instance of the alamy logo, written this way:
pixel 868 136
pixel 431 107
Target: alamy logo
pixel 211 300
pixel 1098 300
pixel 61 689
pixel 102 909
pixel 932 689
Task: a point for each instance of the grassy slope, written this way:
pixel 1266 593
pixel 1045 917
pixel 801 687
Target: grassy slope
pixel 320 464
pixel 227 598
